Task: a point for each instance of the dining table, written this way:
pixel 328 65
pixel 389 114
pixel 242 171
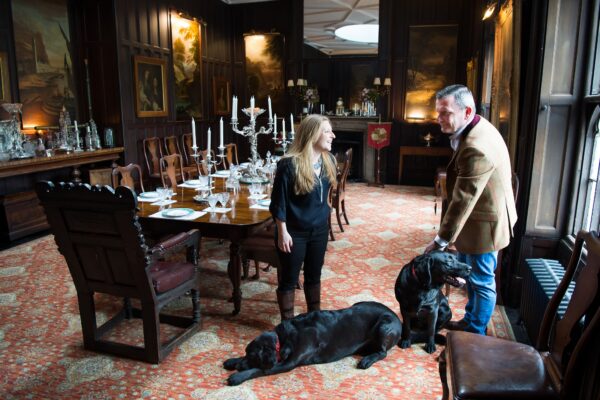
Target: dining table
pixel 243 215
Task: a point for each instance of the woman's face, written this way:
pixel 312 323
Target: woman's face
pixel 326 136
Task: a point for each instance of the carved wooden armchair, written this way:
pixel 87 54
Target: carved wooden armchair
pixel 97 231
pixel 484 367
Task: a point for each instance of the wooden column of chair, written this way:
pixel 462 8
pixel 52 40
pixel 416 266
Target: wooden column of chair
pixel 97 231
pixel 231 155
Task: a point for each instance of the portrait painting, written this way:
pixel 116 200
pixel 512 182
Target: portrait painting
pixel 4 79
pixel 44 60
pixel 264 69
pixel 431 66
pixel 221 96
pixel 150 77
pixel 187 66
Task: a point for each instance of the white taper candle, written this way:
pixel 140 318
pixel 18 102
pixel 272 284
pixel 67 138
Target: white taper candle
pixel 221 132
pixel 194 133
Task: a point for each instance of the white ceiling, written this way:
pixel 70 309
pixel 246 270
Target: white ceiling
pixel 323 17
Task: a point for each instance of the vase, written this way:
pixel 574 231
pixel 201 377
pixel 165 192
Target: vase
pixel 310 107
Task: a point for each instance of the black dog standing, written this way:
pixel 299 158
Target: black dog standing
pixel 423 306
pixel 369 329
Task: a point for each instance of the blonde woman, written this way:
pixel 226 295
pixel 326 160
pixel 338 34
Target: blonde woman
pixel 300 209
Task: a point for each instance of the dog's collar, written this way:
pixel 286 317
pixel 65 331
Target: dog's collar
pixel 277 347
pixel 412 270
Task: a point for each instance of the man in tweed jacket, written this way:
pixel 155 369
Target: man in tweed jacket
pixel 481 211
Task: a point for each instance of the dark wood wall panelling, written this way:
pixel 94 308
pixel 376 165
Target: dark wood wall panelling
pixel 397 17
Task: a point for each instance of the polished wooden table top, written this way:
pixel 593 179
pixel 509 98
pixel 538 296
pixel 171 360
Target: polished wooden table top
pixel 240 215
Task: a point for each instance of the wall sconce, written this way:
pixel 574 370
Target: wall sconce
pixel 299 88
pixel 384 89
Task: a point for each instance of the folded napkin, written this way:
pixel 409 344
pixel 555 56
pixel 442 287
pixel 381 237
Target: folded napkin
pixel 259 207
pixel 257 196
pixel 219 210
pixel 191 186
pixel 164 203
pixel 190 217
pixel 147 199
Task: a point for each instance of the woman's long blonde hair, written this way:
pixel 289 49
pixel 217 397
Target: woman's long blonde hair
pixel 301 152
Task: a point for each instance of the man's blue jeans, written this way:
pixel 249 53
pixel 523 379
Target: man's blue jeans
pixel 481 290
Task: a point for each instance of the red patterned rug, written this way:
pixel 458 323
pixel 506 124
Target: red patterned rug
pixel 41 342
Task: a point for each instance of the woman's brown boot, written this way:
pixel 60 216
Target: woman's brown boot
pixel 286 304
pixel 313 296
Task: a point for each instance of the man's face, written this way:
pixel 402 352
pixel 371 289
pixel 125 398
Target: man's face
pixel 450 117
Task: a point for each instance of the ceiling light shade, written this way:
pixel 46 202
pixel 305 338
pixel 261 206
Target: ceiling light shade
pixel 359 33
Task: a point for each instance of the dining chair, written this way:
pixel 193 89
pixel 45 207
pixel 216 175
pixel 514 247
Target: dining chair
pixel 153 152
pixel 484 367
pixel 171 169
pixel 96 229
pixel 130 176
pixel 338 194
pixel 172 147
pixel 231 155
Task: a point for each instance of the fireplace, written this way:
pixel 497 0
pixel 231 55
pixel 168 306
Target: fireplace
pixel 352 132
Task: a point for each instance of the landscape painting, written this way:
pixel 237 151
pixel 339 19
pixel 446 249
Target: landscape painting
pixel 264 69
pixel 44 60
pixel 431 67
pixel 187 66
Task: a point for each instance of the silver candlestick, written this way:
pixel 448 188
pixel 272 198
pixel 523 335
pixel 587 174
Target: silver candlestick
pixel 253 174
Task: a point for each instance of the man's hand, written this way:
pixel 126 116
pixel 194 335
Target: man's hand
pixel 432 246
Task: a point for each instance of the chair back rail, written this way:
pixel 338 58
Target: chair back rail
pixel 172 170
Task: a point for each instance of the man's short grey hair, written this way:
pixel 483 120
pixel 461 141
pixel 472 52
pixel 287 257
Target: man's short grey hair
pixel 462 95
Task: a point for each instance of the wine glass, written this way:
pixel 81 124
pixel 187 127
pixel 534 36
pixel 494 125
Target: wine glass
pixel 212 201
pixel 224 199
pixel 162 193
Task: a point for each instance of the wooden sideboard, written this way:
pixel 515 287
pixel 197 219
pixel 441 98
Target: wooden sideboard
pixel 20 212
pixel 421 151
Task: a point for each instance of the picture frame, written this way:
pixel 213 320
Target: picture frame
pixel 221 96
pixel 5 96
pixel 431 66
pixel 264 54
pixel 150 79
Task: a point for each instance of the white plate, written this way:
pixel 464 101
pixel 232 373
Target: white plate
pixel 226 172
pixel 264 202
pixel 245 164
pixel 195 182
pixel 177 212
pixel 149 195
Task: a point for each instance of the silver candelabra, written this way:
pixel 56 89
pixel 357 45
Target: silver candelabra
pixel 253 174
pixel 283 141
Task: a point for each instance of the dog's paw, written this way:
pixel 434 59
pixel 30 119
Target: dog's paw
pixel 404 343
pixel 429 348
pixel 235 379
pixel 230 364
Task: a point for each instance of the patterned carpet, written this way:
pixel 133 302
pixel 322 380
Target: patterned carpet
pixel 41 342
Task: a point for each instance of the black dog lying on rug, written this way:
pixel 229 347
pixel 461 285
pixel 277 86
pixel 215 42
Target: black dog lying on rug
pixel 368 328
pixel 423 306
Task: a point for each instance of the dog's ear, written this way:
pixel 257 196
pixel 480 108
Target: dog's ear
pixel 427 265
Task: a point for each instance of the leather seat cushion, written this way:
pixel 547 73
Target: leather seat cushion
pixel 487 367
pixel 167 275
